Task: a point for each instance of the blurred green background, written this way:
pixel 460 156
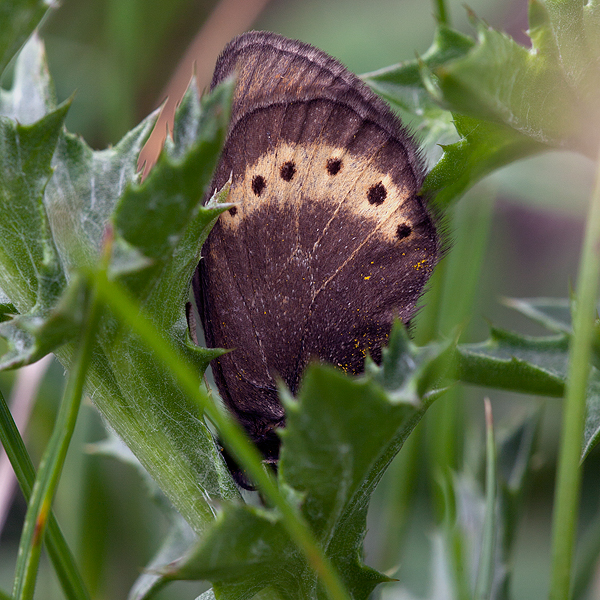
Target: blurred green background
pixel 118 56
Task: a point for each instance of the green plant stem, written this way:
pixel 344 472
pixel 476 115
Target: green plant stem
pixel 52 462
pixel 60 555
pixel 441 14
pixel 568 479
pixel 230 432
pixel 485 570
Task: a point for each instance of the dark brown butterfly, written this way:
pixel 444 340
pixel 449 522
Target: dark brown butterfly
pixel 328 240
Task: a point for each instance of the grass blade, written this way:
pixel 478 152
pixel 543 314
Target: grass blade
pixel 38 510
pixel 568 481
pixel 485 570
pixel 60 555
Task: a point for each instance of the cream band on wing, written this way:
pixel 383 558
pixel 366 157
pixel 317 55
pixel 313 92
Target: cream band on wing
pixel 290 174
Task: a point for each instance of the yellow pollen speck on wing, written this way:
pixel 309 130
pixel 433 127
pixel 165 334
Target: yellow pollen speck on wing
pixel 368 277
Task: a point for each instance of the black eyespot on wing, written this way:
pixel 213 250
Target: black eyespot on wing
pixel 377 193
pixel 233 211
pixel 403 231
pixel 334 166
pixel 258 184
pixel 287 171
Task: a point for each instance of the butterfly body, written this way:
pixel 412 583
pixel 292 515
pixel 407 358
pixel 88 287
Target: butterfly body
pixel 328 240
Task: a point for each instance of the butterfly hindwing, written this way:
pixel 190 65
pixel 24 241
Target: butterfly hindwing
pixel 328 240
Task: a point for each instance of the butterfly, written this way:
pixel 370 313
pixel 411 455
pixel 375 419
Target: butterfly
pixel 328 239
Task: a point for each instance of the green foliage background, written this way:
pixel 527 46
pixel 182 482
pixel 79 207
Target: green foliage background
pixel 516 234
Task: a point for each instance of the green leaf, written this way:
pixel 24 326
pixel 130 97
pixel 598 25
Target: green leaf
pixel 484 147
pixel 574 28
pixel 19 18
pixel 588 551
pixel 180 537
pixel 516 446
pixel 246 550
pixel 112 446
pixel 42 239
pixel 31 271
pixel 457 546
pixel 542 99
pixel 31 96
pixel 35 334
pixel 552 313
pixel 472 85
pixel 402 86
pixel 163 219
pixel 548 101
pixel 84 190
pixel 555 314
pixel 485 144
pixel 32 276
pixel 397 81
pixel 7 308
pixel 532 365
pixel 341 433
pixel 591 433
pixel 178 542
